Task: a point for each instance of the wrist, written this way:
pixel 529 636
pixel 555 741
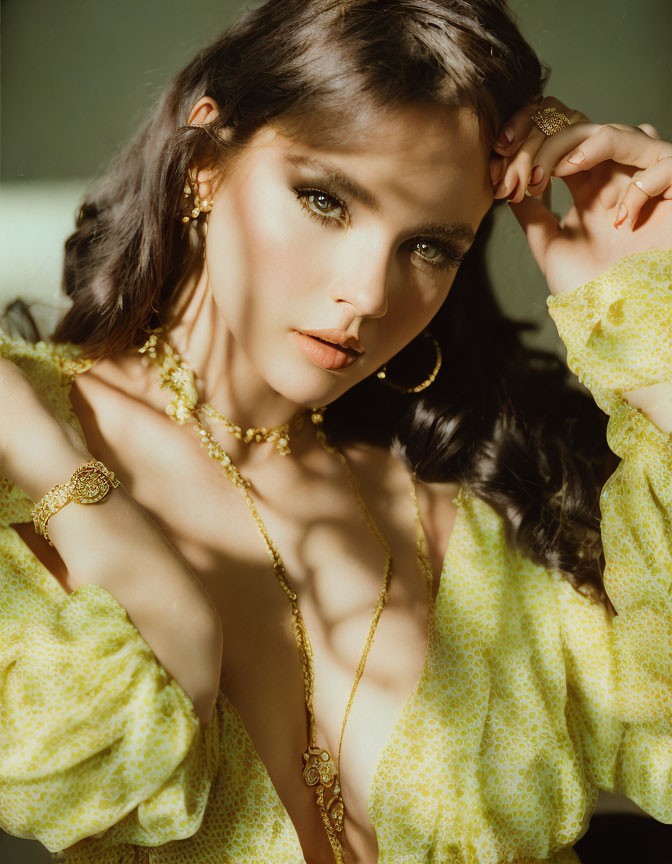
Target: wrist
pixel 90 483
pixel 655 401
pixel 57 470
pixel 36 450
pixel 37 468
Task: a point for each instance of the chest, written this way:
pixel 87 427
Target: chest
pixel 332 561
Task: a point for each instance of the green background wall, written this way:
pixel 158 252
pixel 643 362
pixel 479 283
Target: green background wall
pixel 77 77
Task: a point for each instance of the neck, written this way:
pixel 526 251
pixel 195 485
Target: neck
pixel 226 378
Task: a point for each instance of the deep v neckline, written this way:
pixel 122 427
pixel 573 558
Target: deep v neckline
pixel 72 365
pixel 398 726
pixel 399 722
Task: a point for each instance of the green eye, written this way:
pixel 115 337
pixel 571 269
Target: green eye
pixel 427 246
pixel 445 258
pixel 316 198
pixel 317 203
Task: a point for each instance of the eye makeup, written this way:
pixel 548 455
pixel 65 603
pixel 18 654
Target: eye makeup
pixel 449 258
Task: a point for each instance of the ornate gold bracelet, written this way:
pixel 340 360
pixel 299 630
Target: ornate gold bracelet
pixel 89 483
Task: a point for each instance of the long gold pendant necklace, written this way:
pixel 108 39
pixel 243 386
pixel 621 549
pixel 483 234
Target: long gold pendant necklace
pixel 319 769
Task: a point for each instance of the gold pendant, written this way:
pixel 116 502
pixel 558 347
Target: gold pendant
pixel 319 768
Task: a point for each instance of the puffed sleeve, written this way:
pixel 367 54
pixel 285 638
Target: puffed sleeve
pixel 97 740
pixel 618 332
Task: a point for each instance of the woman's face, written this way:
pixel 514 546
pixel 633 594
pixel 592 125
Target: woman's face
pixel 290 247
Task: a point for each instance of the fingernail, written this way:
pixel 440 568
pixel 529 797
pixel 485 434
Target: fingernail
pixel 576 158
pixel 500 191
pixel 505 137
pixel 536 176
pixel 621 216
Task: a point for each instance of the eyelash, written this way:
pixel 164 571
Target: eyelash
pixel 451 260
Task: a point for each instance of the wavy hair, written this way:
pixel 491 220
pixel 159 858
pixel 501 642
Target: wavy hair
pixel 504 420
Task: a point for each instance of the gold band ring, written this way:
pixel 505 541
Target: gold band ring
pixel 639 184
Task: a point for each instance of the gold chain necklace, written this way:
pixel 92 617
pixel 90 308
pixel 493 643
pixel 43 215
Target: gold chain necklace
pixel 177 376
pixel 319 769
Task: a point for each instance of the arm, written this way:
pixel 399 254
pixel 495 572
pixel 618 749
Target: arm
pixel 114 543
pixel 96 736
pixel 618 333
pixel 656 402
pixel 608 266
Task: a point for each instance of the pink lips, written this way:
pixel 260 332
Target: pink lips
pixel 337 337
pixel 321 354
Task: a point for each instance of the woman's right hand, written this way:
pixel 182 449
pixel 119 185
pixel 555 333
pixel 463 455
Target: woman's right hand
pixel 113 543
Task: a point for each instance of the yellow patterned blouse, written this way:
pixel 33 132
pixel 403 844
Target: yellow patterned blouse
pixel 529 700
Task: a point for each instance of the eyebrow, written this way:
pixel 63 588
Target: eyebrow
pixel 457 231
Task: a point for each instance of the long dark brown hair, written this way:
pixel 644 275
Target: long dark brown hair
pixel 502 419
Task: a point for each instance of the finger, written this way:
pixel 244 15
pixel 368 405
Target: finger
pixel 550 149
pixel 515 130
pixel 551 155
pixel 520 124
pixel 551 159
pixel 627 145
pixel 497 168
pixel 650 130
pixel 654 181
pixel 520 164
pixel 605 183
pixel 517 176
pixel 539 224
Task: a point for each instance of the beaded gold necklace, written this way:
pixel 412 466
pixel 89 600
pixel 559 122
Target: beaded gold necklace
pixel 319 768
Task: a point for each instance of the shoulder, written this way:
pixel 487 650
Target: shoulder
pixel 437 502
pixel 438 509
pixel 49 368
pixel 43 362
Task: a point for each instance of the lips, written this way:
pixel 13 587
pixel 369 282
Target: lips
pixel 323 353
pixel 350 351
pixel 338 338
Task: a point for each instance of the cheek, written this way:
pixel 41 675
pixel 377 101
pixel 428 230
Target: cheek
pixel 409 316
pixel 252 254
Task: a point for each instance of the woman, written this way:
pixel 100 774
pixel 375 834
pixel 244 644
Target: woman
pixel 292 246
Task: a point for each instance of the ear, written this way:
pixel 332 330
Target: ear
pixel 204 111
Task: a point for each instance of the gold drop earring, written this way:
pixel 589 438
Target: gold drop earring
pixel 200 205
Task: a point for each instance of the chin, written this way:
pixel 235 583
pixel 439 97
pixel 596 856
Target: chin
pixel 310 388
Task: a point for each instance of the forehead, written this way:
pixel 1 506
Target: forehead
pixel 424 156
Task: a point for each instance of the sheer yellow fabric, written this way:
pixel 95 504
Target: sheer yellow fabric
pixel 530 699
pixel 618 332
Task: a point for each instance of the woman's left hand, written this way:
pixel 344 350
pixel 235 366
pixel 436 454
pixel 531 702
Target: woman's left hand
pixel 621 186
pixel 623 166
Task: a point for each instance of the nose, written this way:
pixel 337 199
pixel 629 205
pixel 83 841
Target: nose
pixel 365 286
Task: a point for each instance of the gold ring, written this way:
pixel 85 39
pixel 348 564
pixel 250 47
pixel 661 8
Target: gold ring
pixel 550 120
pixel 641 186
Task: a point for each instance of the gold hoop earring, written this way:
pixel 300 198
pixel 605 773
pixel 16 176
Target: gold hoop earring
pixel 382 373
pixel 200 205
